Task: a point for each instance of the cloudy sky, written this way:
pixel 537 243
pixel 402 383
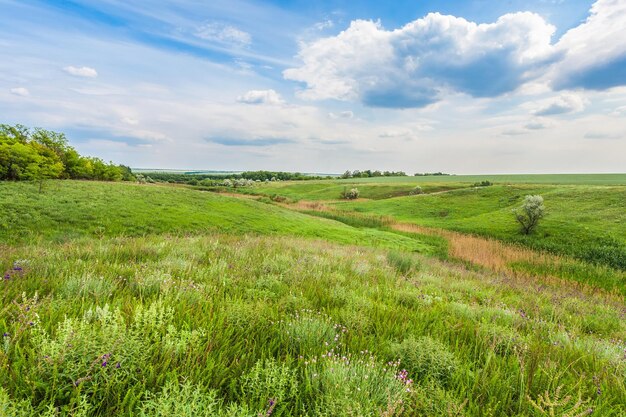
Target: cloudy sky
pixel 461 86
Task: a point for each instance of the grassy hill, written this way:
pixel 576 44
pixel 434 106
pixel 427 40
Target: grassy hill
pixel 71 209
pixel 144 300
pixel 588 222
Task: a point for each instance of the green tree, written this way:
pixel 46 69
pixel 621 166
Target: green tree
pixel 529 214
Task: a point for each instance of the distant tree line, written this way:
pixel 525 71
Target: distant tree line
pixel 38 154
pixel 368 173
pixel 429 174
pixel 205 179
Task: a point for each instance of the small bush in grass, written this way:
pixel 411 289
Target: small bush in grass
pixel 180 400
pixel 269 384
pixel 403 262
pixel 351 194
pixel 426 359
pixel 308 332
pixel 356 386
pixel 416 191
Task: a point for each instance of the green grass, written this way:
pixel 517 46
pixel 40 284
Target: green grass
pixel 219 325
pixel 562 179
pixel 587 222
pixel 331 189
pixel 131 300
pixel 71 209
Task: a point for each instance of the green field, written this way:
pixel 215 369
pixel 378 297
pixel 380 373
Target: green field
pixel 572 179
pixel 587 222
pixel 70 210
pixel 154 300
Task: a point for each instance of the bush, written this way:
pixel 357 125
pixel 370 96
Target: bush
pixel 529 214
pixel 426 359
pixel 416 191
pixel 483 184
pixel 402 262
pixel 352 194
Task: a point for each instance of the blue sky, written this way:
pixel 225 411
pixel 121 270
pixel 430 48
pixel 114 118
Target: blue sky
pixel 458 86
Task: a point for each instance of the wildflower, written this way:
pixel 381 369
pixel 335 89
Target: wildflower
pixel 7 276
pixel 118 365
pixel 104 363
pixel 5 335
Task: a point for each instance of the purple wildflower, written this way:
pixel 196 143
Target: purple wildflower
pixel 7 276
pixel 104 363
pixel 17 268
pixel 118 365
pixel 5 335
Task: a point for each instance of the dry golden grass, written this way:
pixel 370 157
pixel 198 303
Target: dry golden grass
pixel 489 253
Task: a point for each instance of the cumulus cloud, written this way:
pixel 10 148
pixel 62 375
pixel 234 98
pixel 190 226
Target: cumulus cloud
pixel 86 72
pixel 20 91
pixel 565 103
pixel 595 51
pixel 261 97
pixel 415 65
pixel 429 58
pixel 223 33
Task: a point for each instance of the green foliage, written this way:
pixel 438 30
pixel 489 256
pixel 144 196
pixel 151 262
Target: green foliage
pixel 426 359
pixel 351 194
pixel 417 190
pixel 41 154
pixel 403 262
pixel 529 214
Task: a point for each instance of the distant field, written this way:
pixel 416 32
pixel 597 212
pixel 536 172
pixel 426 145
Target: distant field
pixel 581 179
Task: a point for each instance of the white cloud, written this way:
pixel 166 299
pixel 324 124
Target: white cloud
pixel 594 53
pixel 130 121
pixel 537 125
pixel 417 64
pixel 565 103
pixel 326 24
pixel 348 114
pixel 86 72
pixel 223 33
pixel 20 91
pixel 261 97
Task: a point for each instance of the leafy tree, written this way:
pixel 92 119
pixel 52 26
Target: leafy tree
pixel 40 154
pixel 529 214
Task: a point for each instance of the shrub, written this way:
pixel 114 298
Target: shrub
pixel 402 262
pixel 529 214
pixel 352 194
pixel 483 184
pixel 269 384
pixel 416 191
pixel 426 359
pixel 357 386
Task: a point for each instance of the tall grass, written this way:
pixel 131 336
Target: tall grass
pixel 247 326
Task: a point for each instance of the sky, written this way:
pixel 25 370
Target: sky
pixel 458 86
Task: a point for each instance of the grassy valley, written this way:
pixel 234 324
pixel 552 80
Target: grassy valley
pixel 155 300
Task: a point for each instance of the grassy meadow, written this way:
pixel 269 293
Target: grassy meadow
pixel 155 300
